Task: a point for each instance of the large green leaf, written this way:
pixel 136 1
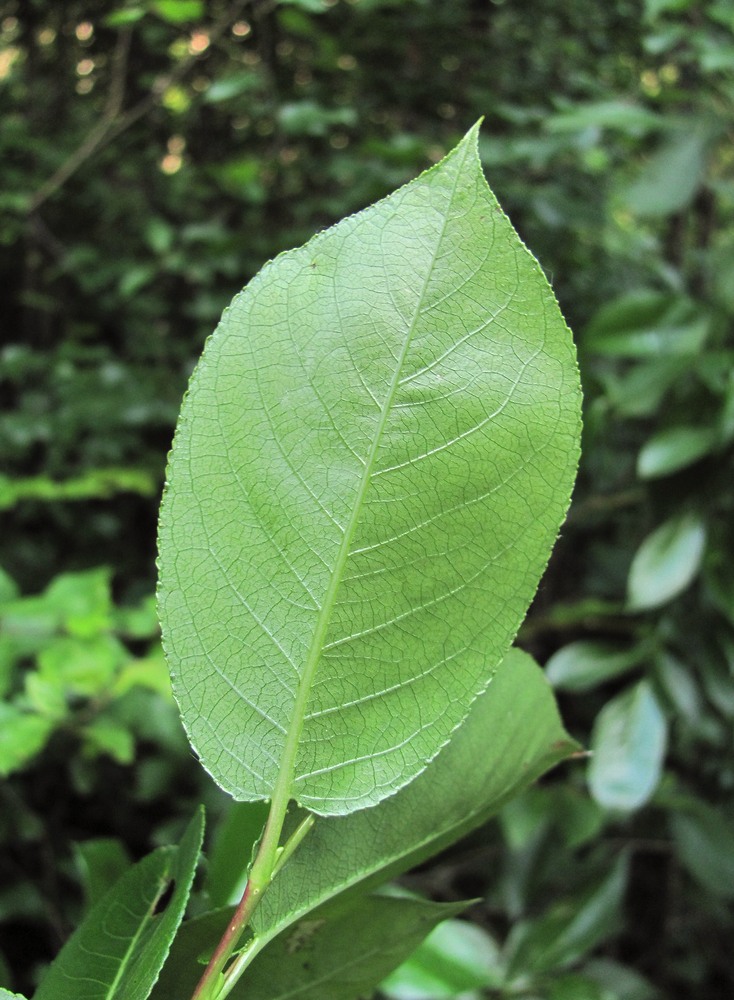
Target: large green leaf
pixel 512 735
pixel 371 465
pixel 119 949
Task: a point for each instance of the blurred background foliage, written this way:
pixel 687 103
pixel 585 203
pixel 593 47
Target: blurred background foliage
pixel 153 155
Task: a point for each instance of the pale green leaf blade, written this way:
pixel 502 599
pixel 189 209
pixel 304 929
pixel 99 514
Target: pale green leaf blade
pixel 674 449
pixel 456 957
pixel 370 468
pixel 511 736
pixel 587 662
pixel 7 995
pixel 119 949
pixel 666 562
pixel 628 747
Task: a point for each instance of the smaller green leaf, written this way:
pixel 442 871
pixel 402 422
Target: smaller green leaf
pixel 654 8
pixel 231 853
pixel 7 995
pixel 644 324
pixel 46 696
pixel 584 664
pixel 102 861
pixel 573 986
pixel 82 601
pixel 705 844
pixel 572 927
pixel 353 853
pixel 310 118
pixel 455 957
pixel 8 587
pixel 139 621
pixel 666 563
pixel 344 956
pixel 122 18
pixel 618 981
pixel 91 484
pixel 119 949
pixel 149 672
pixel 335 954
pixel 638 391
pixel 678 686
pixel 108 736
pixel 626 116
pixel 672 175
pixel 178 11
pixel 22 736
pixel 674 449
pixel 82 666
pixel 310 6
pixel 242 178
pixel 234 85
pixel 628 746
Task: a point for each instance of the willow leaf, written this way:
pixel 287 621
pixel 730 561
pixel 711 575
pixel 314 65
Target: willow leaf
pixel 118 951
pixel 370 468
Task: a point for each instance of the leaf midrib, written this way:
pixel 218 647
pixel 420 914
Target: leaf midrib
pixel 163 882
pixel 286 773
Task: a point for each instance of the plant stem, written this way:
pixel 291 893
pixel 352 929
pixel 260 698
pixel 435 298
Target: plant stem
pixel 270 858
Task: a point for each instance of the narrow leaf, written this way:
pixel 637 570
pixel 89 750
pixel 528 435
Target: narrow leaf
pixel 628 746
pixel 674 449
pixel 672 175
pixel 119 949
pixel 584 664
pixel 371 465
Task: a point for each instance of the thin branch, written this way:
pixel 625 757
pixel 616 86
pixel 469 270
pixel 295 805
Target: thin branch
pixel 112 122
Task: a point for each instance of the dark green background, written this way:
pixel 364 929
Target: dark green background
pixel 152 157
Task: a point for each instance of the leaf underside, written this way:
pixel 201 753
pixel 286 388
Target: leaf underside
pixel 370 468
